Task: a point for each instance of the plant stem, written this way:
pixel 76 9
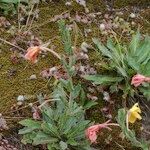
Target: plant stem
pixel 51 51
pixel 12 44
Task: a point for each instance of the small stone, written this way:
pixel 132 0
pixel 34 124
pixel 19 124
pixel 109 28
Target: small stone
pixel 106 96
pixel 102 26
pixel 86 10
pixel 84 47
pixel 106 16
pixel 19 103
pixel 52 70
pixel 30 104
pixel 133 23
pixel 109 116
pixel 68 3
pixel 33 77
pixel 82 68
pixel 43 56
pixel 132 15
pixel 81 2
pixel 20 98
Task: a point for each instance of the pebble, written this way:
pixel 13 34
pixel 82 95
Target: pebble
pixel 68 3
pixel 102 26
pixel 106 96
pixel 21 98
pixel 33 77
pixel 132 15
pixel 133 23
pixel 53 70
pixel 84 47
pixel 19 103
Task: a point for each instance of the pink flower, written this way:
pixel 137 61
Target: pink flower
pixel 91 132
pixel 139 79
pixel 32 54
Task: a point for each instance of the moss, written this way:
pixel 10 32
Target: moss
pixel 123 3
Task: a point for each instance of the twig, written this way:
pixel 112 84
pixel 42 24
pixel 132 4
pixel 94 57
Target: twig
pixel 48 21
pixel 127 120
pixel 18 15
pixel 120 145
pixel 113 124
pixel 32 20
pixel 12 44
pixel 27 22
pixel 45 102
pixel 51 51
pixel 20 108
pixel 76 34
pixel 6 117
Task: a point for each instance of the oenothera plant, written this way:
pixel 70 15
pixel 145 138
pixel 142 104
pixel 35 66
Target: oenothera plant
pixel 62 124
pixel 130 134
pixel 123 62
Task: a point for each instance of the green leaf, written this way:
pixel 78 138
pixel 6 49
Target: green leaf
pixel 28 138
pixel 26 130
pixel 50 129
pixel 30 123
pixel 69 124
pixel 134 43
pixel 89 104
pixel 76 91
pixel 72 142
pixel 42 138
pixel 122 71
pixel 13 1
pixel 82 97
pixel 66 38
pixel 79 129
pixel 102 48
pixel 102 79
pixel 53 146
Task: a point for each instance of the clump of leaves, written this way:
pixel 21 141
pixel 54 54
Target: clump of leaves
pixel 124 61
pixel 10 6
pixel 62 125
pixel 130 134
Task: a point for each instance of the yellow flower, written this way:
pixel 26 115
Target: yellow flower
pixel 134 113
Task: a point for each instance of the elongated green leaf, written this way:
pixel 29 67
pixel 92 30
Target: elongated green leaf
pixel 78 129
pixel 89 104
pixel 102 48
pixel 13 1
pixel 30 123
pixel 26 130
pixel 66 38
pixel 135 43
pixel 75 93
pixel 28 138
pixel 42 138
pixel 50 129
pixel 102 79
